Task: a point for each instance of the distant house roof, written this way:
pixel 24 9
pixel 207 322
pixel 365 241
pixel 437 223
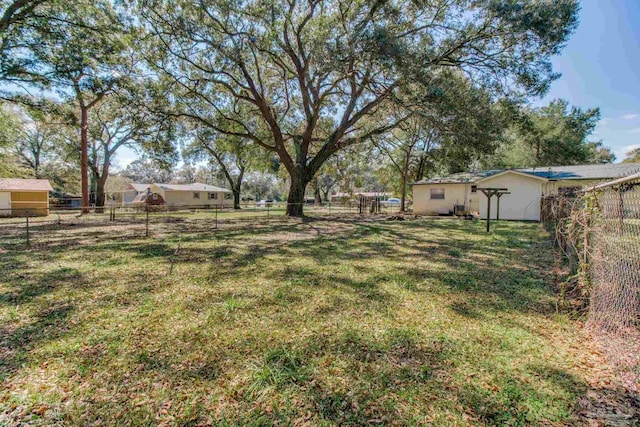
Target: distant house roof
pixel 17 184
pixel 602 171
pixel 140 187
pixel 192 187
pixel 577 172
pixel 460 178
pixel 362 193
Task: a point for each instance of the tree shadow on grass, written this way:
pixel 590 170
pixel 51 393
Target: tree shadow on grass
pixel 381 377
pixel 49 325
pixel 27 286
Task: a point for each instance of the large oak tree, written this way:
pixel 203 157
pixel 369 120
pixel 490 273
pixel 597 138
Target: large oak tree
pixel 319 75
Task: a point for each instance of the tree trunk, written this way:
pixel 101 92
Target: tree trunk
pixel 295 199
pixel 403 195
pixel 84 158
pixel 317 198
pixel 236 198
pixel 100 196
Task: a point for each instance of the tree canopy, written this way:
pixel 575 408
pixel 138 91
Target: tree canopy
pixel 633 156
pixel 555 134
pixel 317 76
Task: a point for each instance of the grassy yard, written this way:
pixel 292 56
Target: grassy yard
pixel 324 322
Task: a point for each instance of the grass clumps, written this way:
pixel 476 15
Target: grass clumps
pixel 319 323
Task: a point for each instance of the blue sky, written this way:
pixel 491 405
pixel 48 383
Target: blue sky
pixel 600 67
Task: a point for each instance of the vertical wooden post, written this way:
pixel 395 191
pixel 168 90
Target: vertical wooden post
pixel 216 217
pixel 146 233
pixel 488 210
pixel 498 207
pixel 27 213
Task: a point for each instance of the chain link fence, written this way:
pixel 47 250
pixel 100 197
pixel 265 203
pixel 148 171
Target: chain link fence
pixel 613 256
pixel 599 233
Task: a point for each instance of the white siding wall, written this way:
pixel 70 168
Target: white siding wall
pixel 522 204
pixel 454 194
pixel 5 203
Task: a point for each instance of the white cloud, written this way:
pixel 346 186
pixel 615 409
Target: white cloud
pixel 621 152
pixel 630 116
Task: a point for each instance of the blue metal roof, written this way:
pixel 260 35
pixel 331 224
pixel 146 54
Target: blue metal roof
pixel 584 172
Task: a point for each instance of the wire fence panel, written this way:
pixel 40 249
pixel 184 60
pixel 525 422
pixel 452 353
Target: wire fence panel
pixel 64 225
pixel 614 255
pixel 599 232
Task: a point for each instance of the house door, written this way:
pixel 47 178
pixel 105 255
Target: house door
pixel 5 204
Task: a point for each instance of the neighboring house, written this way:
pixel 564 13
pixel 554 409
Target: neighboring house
pixel 190 195
pixel 440 195
pixel 19 196
pixel 132 191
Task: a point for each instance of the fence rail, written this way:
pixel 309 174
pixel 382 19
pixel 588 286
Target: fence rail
pixel 45 226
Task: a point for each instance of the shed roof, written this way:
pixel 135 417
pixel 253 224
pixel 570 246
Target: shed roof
pixel 19 184
pixel 192 187
pixel 573 172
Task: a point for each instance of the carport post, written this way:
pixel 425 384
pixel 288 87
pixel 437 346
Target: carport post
pixel 498 195
pixel 490 192
pixel 488 211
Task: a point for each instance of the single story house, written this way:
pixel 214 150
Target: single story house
pixel 527 187
pixel 187 195
pixel 19 196
pixel 132 191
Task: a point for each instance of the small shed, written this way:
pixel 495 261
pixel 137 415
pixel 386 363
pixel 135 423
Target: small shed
pixel 21 196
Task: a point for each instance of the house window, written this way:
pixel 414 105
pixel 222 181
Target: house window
pixel 196 195
pixel 213 196
pixel 154 196
pixel 474 188
pixel 227 196
pixel 437 194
